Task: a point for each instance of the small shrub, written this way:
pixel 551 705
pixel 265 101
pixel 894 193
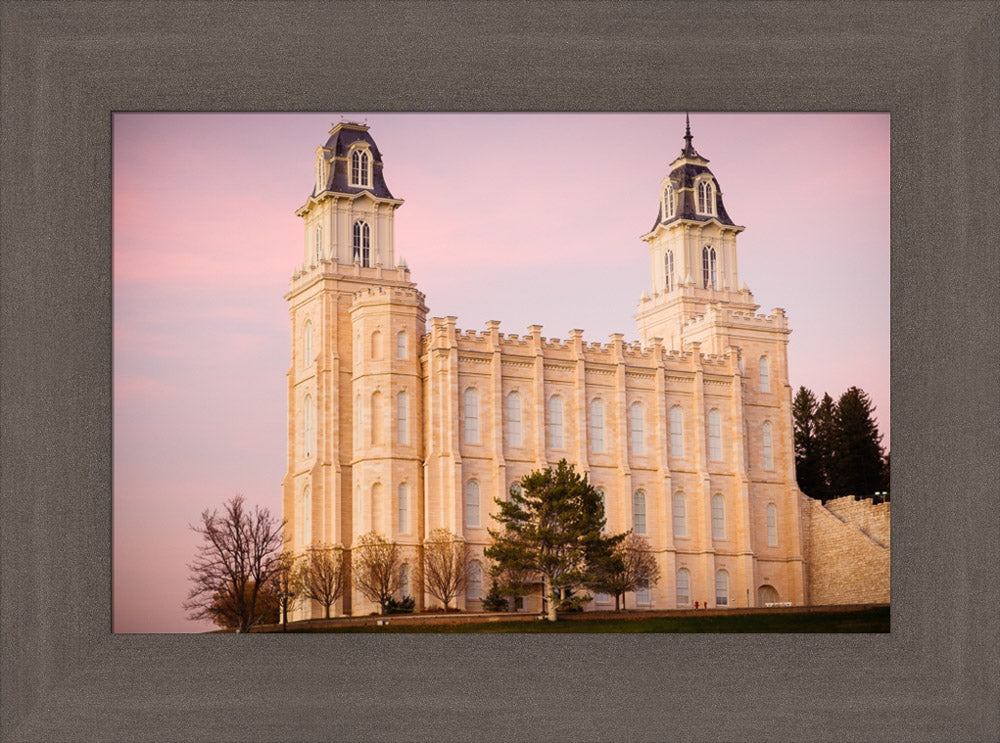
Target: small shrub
pixel 405 606
pixel 495 601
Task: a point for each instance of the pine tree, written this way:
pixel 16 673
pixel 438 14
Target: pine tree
pixel 808 464
pixel 825 430
pixel 858 456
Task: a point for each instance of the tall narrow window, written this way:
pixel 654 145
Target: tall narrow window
pixel 307 343
pixel 722 588
pixel 403 508
pixel 474 584
pixel 637 428
pixel 668 271
pixel 376 423
pixel 706 198
pixel 362 243
pixel 767 446
pixel 514 419
pixel 771 515
pixel 710 277
pixel 404 581
pixel 597 426
pixel 718 517
pixel 680 516
pixel 765 374
pixel 668 201
pixel 639 512
pixel 357 422
pixel 376 348
pixel 746 446
pixel 402 418
pixel 472 503
pixel 360 168
pixel 683 587
pixel 677 432
pixel 471 416
pixel 306 517
pixel 307 433
pixel 318 246
pixel 401 344
pixel 642 593
pixel 555 422
pixel 714 435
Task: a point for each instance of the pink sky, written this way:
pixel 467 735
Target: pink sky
pixel 521 218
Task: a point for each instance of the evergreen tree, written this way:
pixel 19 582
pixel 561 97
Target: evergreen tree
pixel 825 431
pixel 808 464
pixel 857 454
pixel 550 527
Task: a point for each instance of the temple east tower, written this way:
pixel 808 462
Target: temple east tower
pixel 356 321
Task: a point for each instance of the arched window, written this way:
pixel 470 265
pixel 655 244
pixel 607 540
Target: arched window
pixel 306 517
pixel 637 428
pixel 767 446
pixel 668 201
pixel 683 587
pixel 680 516
pixel 402 418
pixel 404 581
pixel 360 169
pixel 403 508
pixel 474 584
pixel 555 422
pixel 714 435
pixel 376 346
pixel 668 271
pixel 718 517
pixel 307 433
pixel 472 503
pixel 639 512
pixel 765 374
pixel 376 423
pixel 597 426
pixel 706 198
pixel 677 432
pixel 471 416
pixel 642 596
pixel 722 588
pixel 375 504
pixel 709 275
pixel 362 243
pixel 514 419
pixel 318 246
pixel 771 516
pixel 307 343
pixel 401 344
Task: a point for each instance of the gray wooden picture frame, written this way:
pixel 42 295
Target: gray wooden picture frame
pixel 66 66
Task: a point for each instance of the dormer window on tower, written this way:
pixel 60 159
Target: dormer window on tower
pixel 362 243
pixel 710 278
pixel 321 174
pixel 668 202
pixel 706 198
pixel 361 168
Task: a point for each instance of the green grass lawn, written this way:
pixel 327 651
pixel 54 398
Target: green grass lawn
pixel 866 620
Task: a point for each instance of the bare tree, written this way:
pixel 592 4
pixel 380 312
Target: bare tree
pixel 324 575
pixel 286 584
pixel 376 568
pixel 446 565
pixel 626 567
pixel 234 564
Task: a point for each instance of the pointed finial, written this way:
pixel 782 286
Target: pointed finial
pixel 688 148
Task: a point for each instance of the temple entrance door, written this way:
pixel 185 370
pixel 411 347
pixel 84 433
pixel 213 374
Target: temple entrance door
pixel 766 595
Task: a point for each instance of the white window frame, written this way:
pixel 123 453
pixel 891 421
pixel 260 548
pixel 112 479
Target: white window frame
pixel 513 405
pixel 597 426
pixel 470 415
pixel 669 200
pixel 718 517
pixel 403 508
pixel 637 428
pixel 765 374
pixel 714 435
pixel 683 587
pixel 556 439
pixel 317 244
pixel 706 198
pixel 472 504
pixel 767 445
pixel 474 584
pixel 679 505
pixel 639 512
pixel 360 160
pixel 709 268
pixel 677 432
pixel 402 418
pixel 721 588
pixel 643 596
pixel 361 241
pixel 771 521
pixel 668 271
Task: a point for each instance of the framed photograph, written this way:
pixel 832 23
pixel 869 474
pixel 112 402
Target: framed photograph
pixel 65 675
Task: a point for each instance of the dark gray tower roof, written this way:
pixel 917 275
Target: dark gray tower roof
pixel 342 136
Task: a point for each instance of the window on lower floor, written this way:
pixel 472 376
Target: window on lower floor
pixel 642 596
pixel 474 584
pixel 683 587
pixel 639 512
pixel 771 515
pixel 472 503
pixel 722 588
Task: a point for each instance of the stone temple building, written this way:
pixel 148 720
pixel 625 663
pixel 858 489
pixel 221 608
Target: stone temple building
pixel 403 424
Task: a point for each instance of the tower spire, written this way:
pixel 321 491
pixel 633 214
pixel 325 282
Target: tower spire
pixel 688 147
